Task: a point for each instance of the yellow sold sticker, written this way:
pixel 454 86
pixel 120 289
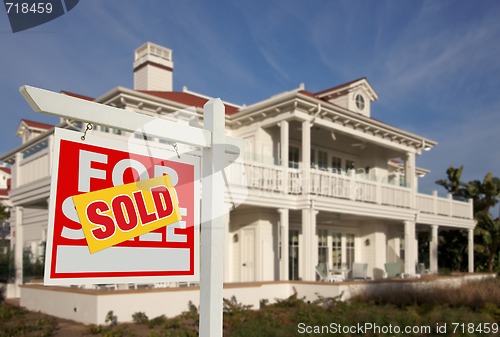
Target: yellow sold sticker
pixel 120 213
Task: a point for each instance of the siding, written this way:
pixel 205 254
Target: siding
pixel 34 222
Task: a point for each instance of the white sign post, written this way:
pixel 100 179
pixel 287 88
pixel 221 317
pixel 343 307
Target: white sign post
pixel 214 143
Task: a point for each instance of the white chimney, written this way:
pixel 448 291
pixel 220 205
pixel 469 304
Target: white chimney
pixel 153 68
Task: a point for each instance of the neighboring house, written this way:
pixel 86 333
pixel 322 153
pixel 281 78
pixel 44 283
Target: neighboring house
pixel 326 182
pixel 5 175
pixel 4 201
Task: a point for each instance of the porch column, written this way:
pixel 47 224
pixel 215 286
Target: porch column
pixel 410 176
pixel 228 260
pixel 471 250
pixel 306 157
pixel 410 261
pixel 284 243
pixel 310 248
pixel 19 248
pixel 284 155
pixel 433 250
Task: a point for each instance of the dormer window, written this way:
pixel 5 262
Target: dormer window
pixel 360 102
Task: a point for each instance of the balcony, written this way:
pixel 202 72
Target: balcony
pixel 271 179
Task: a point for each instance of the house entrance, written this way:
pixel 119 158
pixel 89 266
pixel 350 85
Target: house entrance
pixel 248 255
pixel 293 255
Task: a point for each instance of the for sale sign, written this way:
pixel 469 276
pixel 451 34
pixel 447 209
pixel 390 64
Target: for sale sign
pixel 116 214
pixel 121 212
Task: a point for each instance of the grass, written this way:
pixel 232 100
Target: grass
pixel 472 304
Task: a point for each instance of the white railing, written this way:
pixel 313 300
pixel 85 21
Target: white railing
pixel 257 176
pixel 271 178
pixel 425 203
pixel 396 196
pixel 432 204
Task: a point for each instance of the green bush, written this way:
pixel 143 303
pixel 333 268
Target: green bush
pixel 140 318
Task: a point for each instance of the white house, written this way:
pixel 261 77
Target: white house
pixel 327 183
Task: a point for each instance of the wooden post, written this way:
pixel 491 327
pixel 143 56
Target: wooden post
pixel 212 226
pixel 215 145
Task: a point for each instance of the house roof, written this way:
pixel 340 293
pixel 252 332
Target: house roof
pixel 339 87
pixel 5 169
pixel 346 86
pixel 188 99
pixel 29 124
pixel 72 94
pixel 36 125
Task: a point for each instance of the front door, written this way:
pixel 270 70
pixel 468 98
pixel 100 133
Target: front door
pixel 248 255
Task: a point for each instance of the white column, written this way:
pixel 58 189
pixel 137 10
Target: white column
pixel 19 248
pixel 16 171
pixel 410 176
pixel 284 154
pixel 310 245
pixel 228 261
pixel 409 247
pixel 284 219
pixel 212 224
pixel 306 156
pixel 471 250
pixel 433 250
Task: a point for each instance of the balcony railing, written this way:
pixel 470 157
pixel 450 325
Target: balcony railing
pixel 270 178
pixel 432 204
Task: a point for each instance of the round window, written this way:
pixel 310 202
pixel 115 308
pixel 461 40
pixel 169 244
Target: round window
pixel 360 102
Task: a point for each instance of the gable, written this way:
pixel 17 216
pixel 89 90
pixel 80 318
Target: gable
pixel 355 96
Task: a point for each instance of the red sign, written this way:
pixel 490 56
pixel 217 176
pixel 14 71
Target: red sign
pixel 165 254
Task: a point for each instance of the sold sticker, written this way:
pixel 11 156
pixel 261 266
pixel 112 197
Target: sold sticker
pixel 117 214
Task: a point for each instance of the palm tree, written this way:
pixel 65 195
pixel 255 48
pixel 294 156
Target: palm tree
pixel 485 195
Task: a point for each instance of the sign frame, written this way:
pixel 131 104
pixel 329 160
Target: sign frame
pixel 215 145
pixel 120 146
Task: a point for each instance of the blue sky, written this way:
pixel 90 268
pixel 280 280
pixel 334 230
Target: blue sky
pixel 435 65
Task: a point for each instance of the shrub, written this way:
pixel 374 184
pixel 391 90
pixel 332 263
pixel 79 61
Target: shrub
pixel 140 318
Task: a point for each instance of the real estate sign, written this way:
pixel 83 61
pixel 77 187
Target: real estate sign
pixel 139 207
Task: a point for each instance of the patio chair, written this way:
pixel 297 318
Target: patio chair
pixel 421 269
pixel 393 269
pixel 323 274
pixel 360 271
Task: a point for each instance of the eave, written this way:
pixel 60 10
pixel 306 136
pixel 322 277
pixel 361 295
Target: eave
pixel 319 110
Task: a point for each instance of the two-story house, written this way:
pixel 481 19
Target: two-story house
pixel 326 183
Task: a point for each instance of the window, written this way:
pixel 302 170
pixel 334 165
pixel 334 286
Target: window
pixel 293 255
pixel 143 136
pixel 349 250
pixel 293 157
pixel 313 156
pixel 35 148
pixel 336 251
pixel 104 128
pixel 349 165
pixel 360 102
pixel 322 160
pixel 342 248
pixel 336 164
pixel 323 247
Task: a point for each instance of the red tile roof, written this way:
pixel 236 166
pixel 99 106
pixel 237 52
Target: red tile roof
pixel 188 99
pixel 37 125
pixel 5 169
pixel 72 94
pixel 344 85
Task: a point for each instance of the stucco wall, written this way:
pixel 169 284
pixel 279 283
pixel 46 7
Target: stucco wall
pixel 91 307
